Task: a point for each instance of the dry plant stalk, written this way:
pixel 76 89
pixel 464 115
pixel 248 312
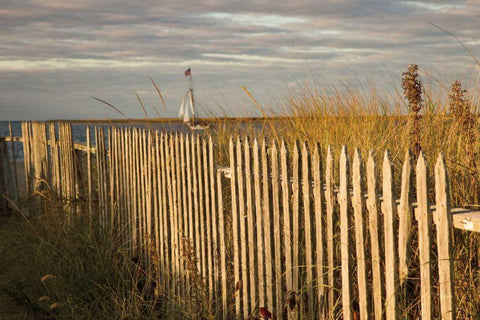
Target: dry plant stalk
pixel 412 89
pixel 200 302
pixel 461 110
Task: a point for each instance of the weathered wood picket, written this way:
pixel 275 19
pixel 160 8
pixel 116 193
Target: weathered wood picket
pixel 286 229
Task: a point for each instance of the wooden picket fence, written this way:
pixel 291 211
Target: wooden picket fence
pixel 290 231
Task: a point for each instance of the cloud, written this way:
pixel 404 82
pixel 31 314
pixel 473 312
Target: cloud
pixel 227 43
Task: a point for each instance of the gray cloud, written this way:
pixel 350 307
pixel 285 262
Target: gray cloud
pixel 55 54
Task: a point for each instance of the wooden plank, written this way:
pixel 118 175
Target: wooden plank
pixel 196 209
pixel 251 230
pixel 374 226
pixel 167 266
pixel 55 172
pixel 201 193
pixel 344 203
pixel 26 156
pixel 12 139
pixel 306 191
pixel 243 231
pixel 358 203
pixel 287 224
pixel 444 241
pixel 188 162
pixel 295 227
pixel 174 215
pixel 277 231
pixel 129 188
pixel 89 174
pixel 184 212
pixel 159 216
pixel 391 267
pixel 100 182
pixel 405 221
pixel 295 222
pixel 208 219
pixel 235 224
pixel 466 219
pixel 267 227
pixel 330 206
pixel 222 247
pixel 135 200
pixel 214 218
pixel 179 214
pixel 14 160
pixel 111 173
pixel 424 218
pixel 319 233
pixel 259 219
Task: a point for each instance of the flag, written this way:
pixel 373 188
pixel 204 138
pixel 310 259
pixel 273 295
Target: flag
pixel 187 72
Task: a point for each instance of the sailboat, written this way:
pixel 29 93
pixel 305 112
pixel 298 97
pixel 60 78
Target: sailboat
pixel 187 107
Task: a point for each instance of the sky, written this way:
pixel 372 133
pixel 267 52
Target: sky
pixel 57 54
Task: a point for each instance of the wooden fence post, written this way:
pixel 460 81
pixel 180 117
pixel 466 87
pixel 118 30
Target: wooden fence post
pixel 444 241
pixel 391 267
pixel 267 227
pixel 235 225
pixel 319 226
pixel 358 203
pixel 330 228
pixel 374 226
pixel 405 221
pixel 344 203
pixel 424 218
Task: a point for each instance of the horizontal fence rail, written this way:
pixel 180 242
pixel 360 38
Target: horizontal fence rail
pixel 288 232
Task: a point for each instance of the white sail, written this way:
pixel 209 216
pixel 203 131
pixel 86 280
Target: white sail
pixel 182 108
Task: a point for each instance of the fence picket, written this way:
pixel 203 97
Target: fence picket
pixel 267 227
pixel 259 219
pixel 391 267
pixel 330 229
pixel 424 218
pixel 287 225
pixel 295 229
pixel 243 231
pixel 309 240
pixel 405 221
pixel 444 227
pixel 358 202
pixel 344 203
pixel 277 231
pixel 319 226
pixel 235 225
pixel 374 226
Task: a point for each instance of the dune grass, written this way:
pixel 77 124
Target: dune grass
pixel 59 270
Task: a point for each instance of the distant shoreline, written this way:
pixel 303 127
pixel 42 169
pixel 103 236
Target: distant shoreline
pixel 164 120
